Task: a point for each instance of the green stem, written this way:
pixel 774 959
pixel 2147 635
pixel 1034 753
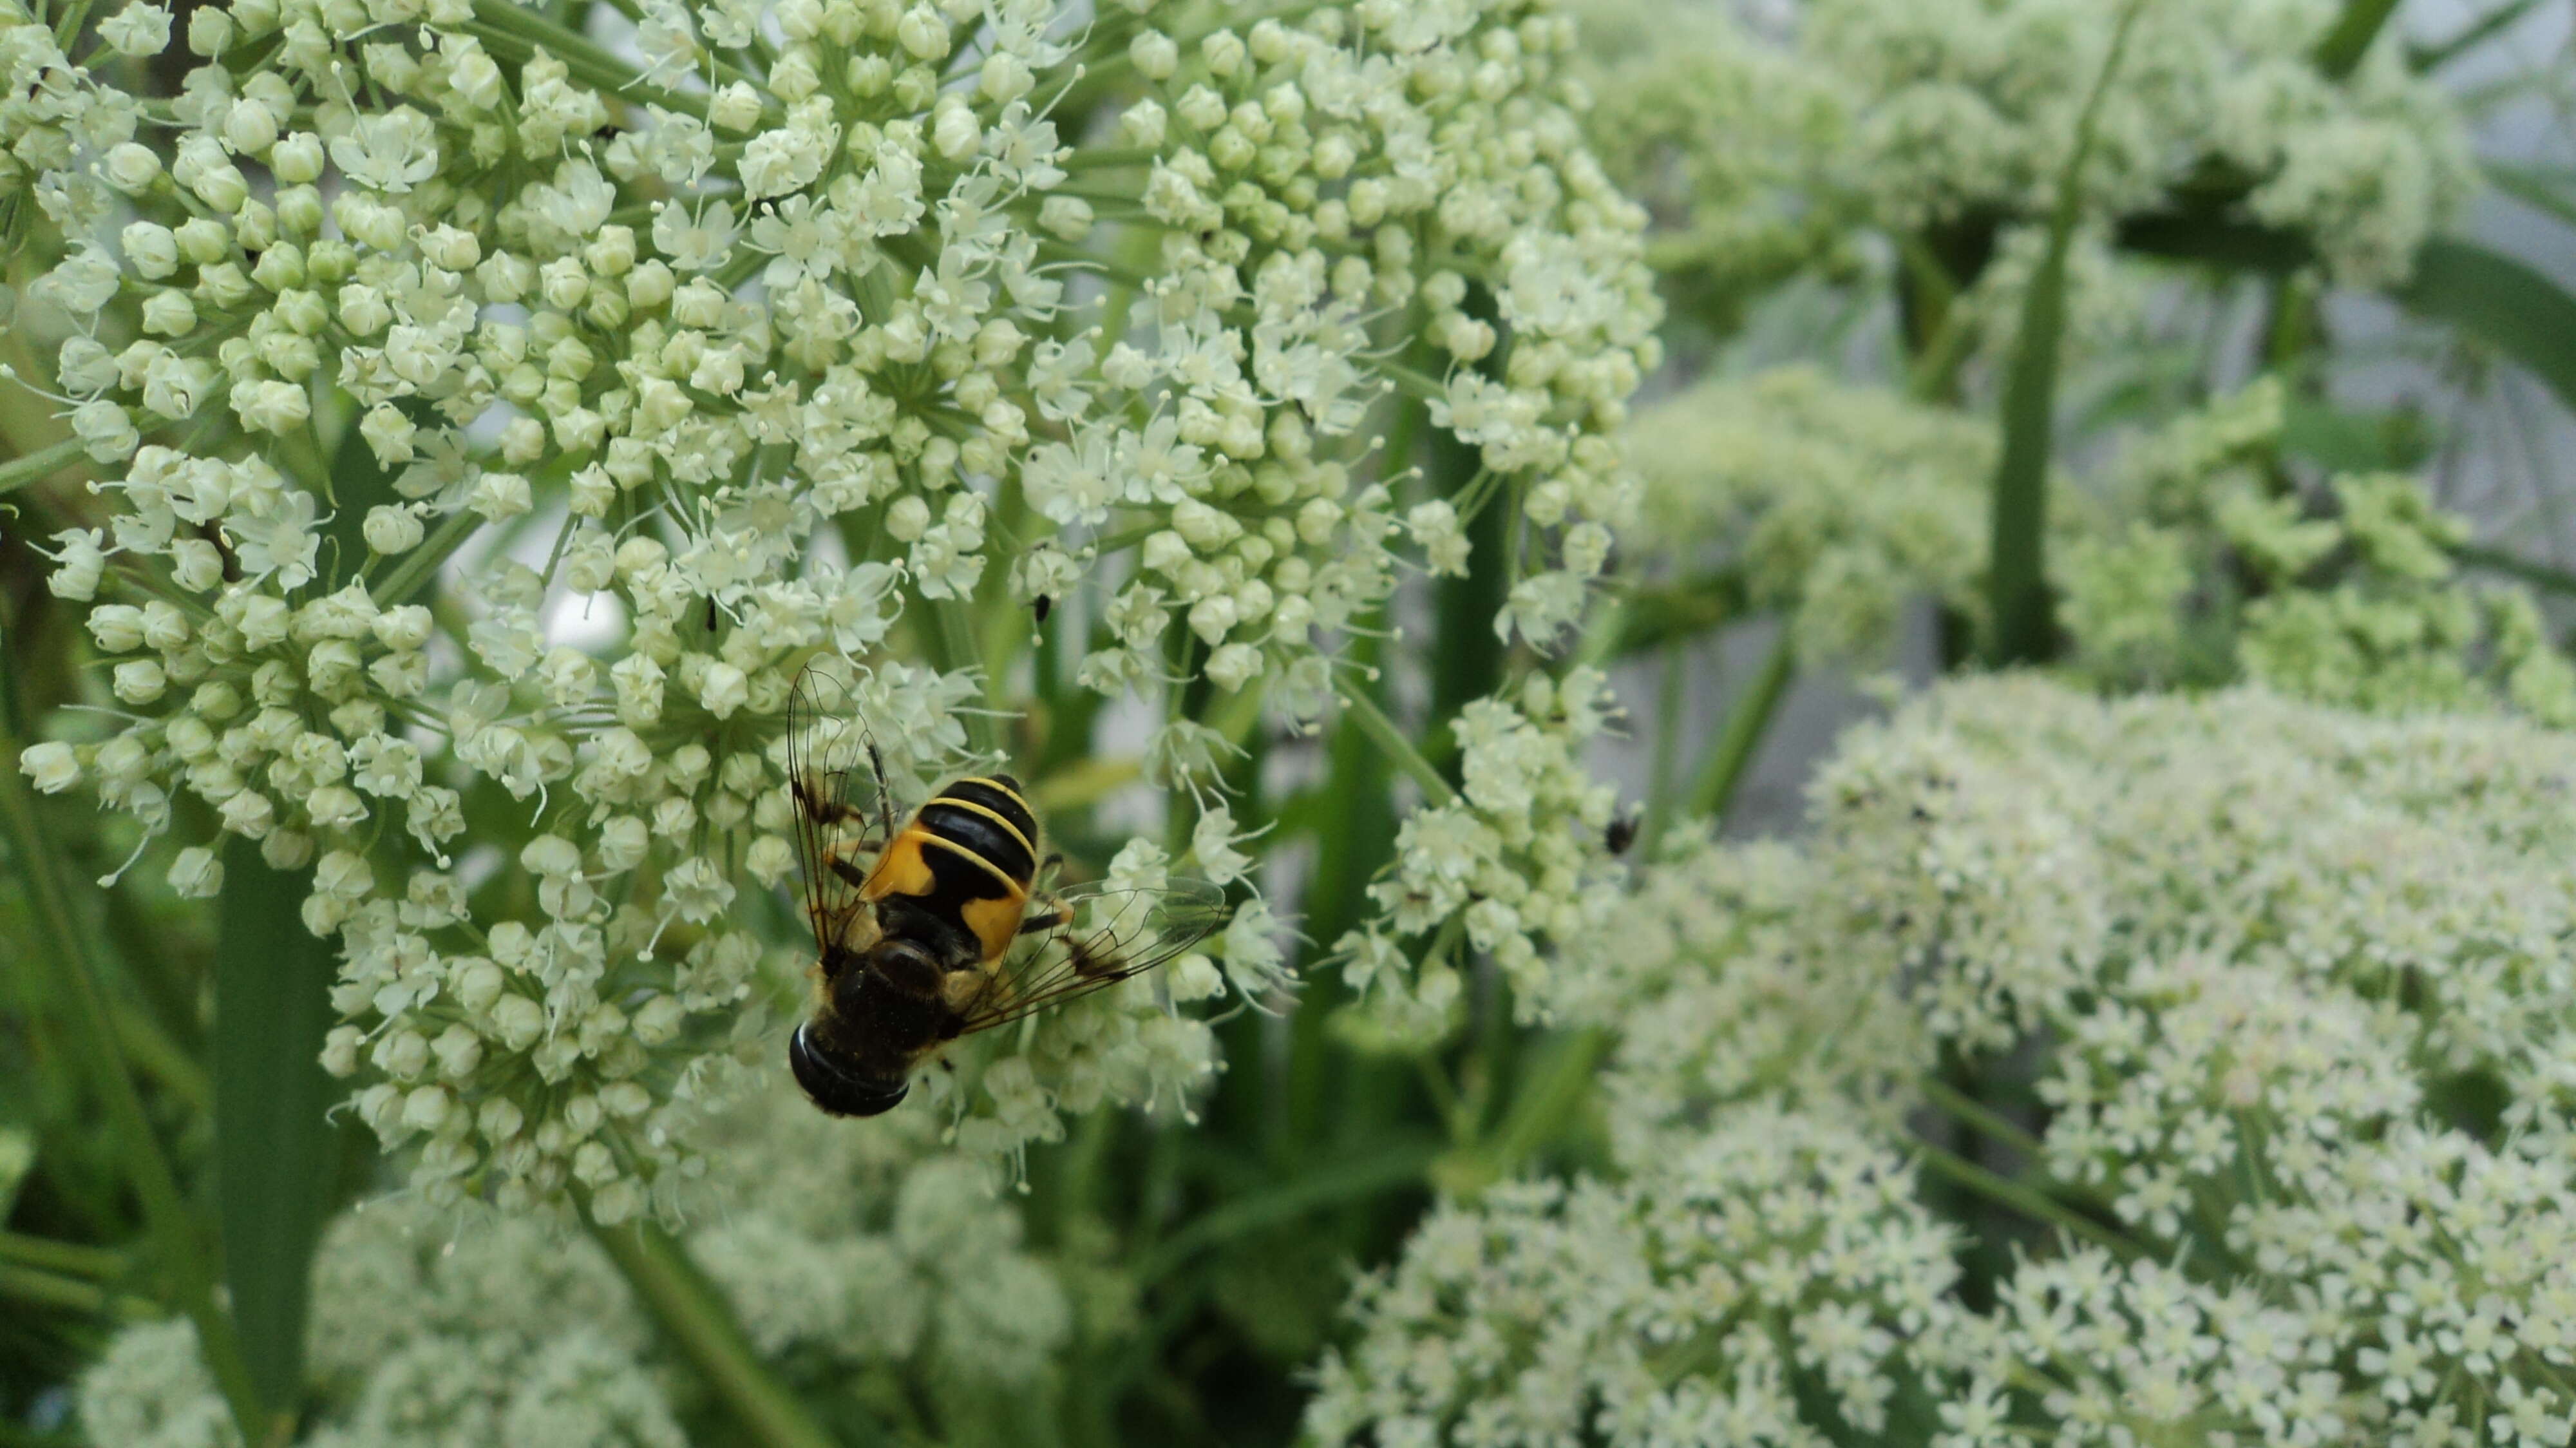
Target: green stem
pixel 524 30
pixel 1746 723
pixel 1548 1099
pixel 1381 730
pixel 1444 1097
pixel 2468 38
pixel 69 1294
pixel 2017 578
pixel 2538 575
pixel 1381 1171
pixel 1977 1114
pixel 1668 740
pixel 38 465
pixel 175 1240
pixel 695 1317
pixel 419 563
pixel 957 644
pixel 2032 1204
pixel 2341 51
pixel 74 1258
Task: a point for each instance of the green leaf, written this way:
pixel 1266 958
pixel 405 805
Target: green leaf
pixel 2515 309
pixel 277 1156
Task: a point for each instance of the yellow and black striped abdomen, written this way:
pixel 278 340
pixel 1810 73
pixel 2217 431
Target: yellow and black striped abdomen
pixel 960 868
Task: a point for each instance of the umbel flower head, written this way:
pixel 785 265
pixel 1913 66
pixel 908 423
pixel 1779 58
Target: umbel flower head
pixel 1964 107
pixel 849 1257
pixel 1838 504
pixel 2294 988
pixel 742 339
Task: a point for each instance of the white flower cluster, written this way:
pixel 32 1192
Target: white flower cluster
pixel 430 1326
pixel 1512 866
pixel 2361 603
pixel 1731 144
pixel 842 1253
pixel 2293 988
pixel 1779 1022
pixel 1965 107
pixel 1776 1257
pixel 1838 503
pixel 772 354
pixel 152 1388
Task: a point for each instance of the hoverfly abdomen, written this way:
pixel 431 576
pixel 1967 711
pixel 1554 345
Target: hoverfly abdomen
pixel 984 832
pixel 958 873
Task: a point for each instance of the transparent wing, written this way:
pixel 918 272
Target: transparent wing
pixel 835 781
pixel 1108 936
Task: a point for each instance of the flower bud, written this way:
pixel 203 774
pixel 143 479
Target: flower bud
pixel 340 1050
pixel 198 874
pixel 51 767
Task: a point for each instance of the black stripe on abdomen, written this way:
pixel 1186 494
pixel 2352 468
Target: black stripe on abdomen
pixel 979 833
pixel 1004 801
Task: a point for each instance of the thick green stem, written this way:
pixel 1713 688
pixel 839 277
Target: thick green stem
pixel 276 1152
pixel 1746 723
pixel 697 1321
pixel 2017 581
pixel 1363 711
pixel 175 1239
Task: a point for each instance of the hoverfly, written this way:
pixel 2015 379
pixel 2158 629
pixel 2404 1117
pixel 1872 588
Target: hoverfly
pixel 943 933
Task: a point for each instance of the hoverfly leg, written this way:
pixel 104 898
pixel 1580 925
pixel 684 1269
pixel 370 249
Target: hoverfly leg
pixel 876 762
pixel 1054 914
pixel 820 810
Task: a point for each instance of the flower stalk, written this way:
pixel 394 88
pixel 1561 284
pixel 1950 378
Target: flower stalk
pixel 704 1329
pixel 1390 740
